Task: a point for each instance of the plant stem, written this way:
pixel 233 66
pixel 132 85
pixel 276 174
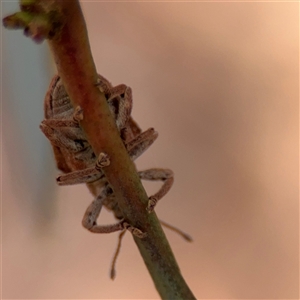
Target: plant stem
pixel 73 58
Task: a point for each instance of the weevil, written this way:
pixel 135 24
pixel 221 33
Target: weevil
pixel 75 157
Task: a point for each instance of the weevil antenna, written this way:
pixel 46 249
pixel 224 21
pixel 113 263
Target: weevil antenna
pixel 113 264
pixel 187 237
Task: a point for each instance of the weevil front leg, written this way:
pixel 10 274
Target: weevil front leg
pixel 91 215
pixel 64 139
pixel 119 99
pixel 166 176
pixel 71 123
pixel 120 103
pixel 140 143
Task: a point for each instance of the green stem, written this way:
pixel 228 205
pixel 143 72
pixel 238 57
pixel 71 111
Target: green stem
pixel 72 55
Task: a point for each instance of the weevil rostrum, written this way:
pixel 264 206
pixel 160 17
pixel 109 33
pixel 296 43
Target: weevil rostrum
pixel 76 159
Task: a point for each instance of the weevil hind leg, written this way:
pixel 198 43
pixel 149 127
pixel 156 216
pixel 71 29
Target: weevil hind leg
pixel 164 175
pixel 113 264
pixel 92 213
pixel 184 235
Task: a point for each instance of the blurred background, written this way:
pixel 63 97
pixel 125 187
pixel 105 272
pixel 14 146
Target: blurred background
pixel 220 83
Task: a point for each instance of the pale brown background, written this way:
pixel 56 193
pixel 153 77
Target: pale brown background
pixel 220 83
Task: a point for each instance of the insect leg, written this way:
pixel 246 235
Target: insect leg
pixel 141 143
pixel 61 139
pixel 113 264
pixel 119 99
pixel 104 85
pixel 131 130
pixel 91 215
pixel 81 176
pixel 120 103
pixel 52 128
pixel 158 174
pixel 85 175
pixel 56 123
pixel 186 236
pixel 69 123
